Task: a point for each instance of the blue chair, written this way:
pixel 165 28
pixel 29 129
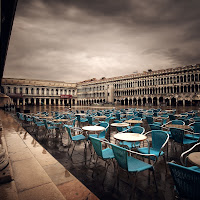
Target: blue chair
pixel 75 139
pixel 186 181
pixel 184 157
pixel 81 119
pixel 178 136
pixel 196 131
pixel 102 134
pixel 131 164
pixel 130 145
pixel 159 140
pixel 151 121
pixel 105 154
pixel 179 122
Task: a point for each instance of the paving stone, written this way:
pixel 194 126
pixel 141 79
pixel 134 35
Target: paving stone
pixel 28 174
pixel 75 190
pixel 44 192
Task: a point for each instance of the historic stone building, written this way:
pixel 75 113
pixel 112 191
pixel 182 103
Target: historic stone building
pixel 174 86
pixel 38 92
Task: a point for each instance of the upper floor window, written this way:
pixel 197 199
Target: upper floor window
pixel 15 90
pixel 8 89
pixel 31 90
pixel 26 90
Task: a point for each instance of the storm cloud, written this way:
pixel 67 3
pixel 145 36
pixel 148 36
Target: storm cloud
pixel 76 40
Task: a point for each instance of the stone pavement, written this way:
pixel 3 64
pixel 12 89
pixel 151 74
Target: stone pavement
pixel 35 173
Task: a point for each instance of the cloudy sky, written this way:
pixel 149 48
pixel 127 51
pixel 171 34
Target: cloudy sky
pixel 75 40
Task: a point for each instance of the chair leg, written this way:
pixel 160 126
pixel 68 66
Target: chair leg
pixel 165 163
pixel 73 149
pixel 95 166
pixel 133 186
pixel 155 180
pixel 108 164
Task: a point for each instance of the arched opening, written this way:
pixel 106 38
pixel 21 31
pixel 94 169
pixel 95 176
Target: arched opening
pixel 134 101
pixel 52 101
pixel 126 101
pixel 155 101
pixel 37 101
pixel 47 101
pixel 130 101
pixel 122 102
pixel 149 101
pixel 173 101
pixel 144 101
pixel 139 102
pixel 167 102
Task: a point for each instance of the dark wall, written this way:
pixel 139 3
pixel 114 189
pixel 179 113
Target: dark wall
pixel 8 8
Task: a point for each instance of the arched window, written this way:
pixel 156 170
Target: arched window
pixel 15 90
pixel 26 90
pixel 47 91
pixel 52 91
pixel 8 89
pixel 37 90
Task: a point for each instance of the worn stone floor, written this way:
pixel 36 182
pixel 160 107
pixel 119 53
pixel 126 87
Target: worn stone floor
pixel 36 174
pixel 80 167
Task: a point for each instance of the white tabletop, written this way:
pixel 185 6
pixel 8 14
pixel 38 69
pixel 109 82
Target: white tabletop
pixel 93 128
pixel 120 124
pixel 194 158
pixel 100 117
pixel 81 114
pixel 130 137
pixel 132 121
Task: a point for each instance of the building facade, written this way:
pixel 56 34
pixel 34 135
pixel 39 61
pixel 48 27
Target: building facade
pixel 38 92
pixel 174 86
pixel 171 87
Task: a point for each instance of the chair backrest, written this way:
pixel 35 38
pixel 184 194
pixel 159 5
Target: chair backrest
pixel 159 137
pixel 69 132
pixel 117 116
pixel 179 122
pixel 121 156
pixel 197 127
pixel 186 180
pixel 196 119
pixel 105 125
pixel 177 134
pixel 171 117
pixel 78 118
pixel 96 143
pixel 45 123
pixel 155 127
pixel 149 120
pixel 89 120
pixel 137 129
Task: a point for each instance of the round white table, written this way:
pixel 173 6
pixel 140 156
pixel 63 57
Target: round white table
pixel 120 124
pixel 194 158
pixel 81 114
pixel 132 121
pixel 100 117
pixel 130 137
pixel 93 128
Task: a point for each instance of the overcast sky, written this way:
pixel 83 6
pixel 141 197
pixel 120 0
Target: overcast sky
pixel 75 40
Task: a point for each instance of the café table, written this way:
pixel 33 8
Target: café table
pixel 100 117
pixel 130 137
pixel 94 129
pixel 132 121
pixel 177 126
pixel 120 124
pixel 194 158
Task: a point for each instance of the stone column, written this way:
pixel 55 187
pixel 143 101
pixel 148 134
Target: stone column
pixel 45 102
pixel 58 101
pixel 23 101
pixel 158 102
pixel 17 101
pixel 34 101
pixel 40 101
pixel 49 101
pixel 29 101
pixel 183 102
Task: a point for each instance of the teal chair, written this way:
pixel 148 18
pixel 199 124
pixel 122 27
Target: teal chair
pixel 135 129
pixel 105 154
pixel 196 131
pixel 178 136
pixel 184 156
pixel 75 139
pixel 186 181
pixel 159 141
pixel 130 164
pixel 102 134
